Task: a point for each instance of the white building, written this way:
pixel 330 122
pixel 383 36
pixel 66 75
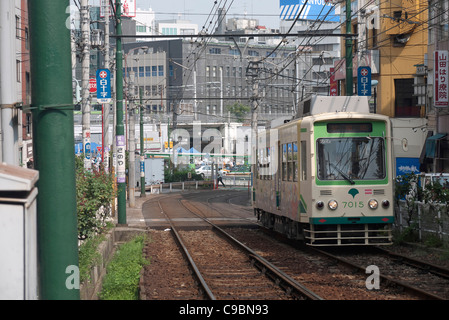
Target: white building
pixel 144 23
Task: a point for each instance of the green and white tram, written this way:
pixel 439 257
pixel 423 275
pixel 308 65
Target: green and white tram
pixel 327 177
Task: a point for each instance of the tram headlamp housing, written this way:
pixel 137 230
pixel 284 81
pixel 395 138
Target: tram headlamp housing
pixel 320 204
pixel 332 204
pixel 385 203
pixel 373 204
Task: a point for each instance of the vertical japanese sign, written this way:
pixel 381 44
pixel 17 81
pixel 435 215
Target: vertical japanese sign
pixel 441 78
pixel 333 91
pixel 364 81
pixel 121 166
pixel 103 86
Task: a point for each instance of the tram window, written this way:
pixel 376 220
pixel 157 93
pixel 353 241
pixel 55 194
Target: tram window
pixel 284 162
pixel 290 162
pixel 295 161
pixel 303 161
pixel 358 158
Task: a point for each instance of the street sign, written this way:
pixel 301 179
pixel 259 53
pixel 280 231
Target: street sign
pixel 441 74
pixel 92 85
pixel 364 81
pixel 103 86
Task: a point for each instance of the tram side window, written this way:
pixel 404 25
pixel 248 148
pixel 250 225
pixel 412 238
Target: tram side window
pixel 303 161
pixel 290 162
pixel 284 162
pixel 268 166
pixel 295 161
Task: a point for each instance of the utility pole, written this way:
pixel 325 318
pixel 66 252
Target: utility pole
pixel 120 130
pixel 253 72
pixel 132 142
pixel 348 42
pixel 107 105
pixel 85 103
pixel 53 129
pixel 142 148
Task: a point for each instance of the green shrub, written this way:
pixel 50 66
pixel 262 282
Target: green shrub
pixel 94 195
pixel 121 281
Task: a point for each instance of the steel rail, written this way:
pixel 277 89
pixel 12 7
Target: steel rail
pixel 429 267
pixel 286 282
pixel 408 288
pixel 196 271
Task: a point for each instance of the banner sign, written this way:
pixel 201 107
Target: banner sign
pixel 440 72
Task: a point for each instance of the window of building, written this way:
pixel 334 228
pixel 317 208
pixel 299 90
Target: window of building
pixel 18 71
pixel 154 71
pixel 405 102
pixel 141 28
pixel 161 71
pixel 215 50
pixel 147 71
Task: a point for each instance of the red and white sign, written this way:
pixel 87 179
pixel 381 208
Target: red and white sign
pixel 128 8
pixel 333 90
pixel 441 74
pixel 92 85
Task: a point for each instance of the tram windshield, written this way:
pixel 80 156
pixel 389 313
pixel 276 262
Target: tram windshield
pixel 350 159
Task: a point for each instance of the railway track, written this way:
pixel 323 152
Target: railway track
pixel 224 268
pixel 331 274
pixel 416 277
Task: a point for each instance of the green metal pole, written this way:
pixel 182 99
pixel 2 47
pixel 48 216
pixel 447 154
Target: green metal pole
pixel 53 138
pixel 142 150
pixel 120 129
pixel 348 42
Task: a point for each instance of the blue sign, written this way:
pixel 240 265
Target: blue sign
pixel 103 86
pixel 364 81
pixel 312 10
pixel 407 165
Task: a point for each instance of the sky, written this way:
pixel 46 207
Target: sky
pixel 197 11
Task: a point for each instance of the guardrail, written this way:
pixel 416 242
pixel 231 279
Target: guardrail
pixel 243 181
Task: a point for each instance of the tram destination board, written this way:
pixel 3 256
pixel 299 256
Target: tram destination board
pixel 349 127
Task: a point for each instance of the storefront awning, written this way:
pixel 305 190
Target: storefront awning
pixel 431 144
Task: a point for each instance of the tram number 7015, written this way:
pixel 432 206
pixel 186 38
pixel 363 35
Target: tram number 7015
pixel 353 204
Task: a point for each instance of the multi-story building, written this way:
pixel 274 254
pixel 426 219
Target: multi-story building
pixel 15 125
pixel 437 159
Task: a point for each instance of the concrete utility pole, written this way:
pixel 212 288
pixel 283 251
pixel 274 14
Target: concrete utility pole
pixel 132 142
pixel 253 73
pixel 52 107
pixel 142 148
pixel 106 106
pixel 8 91
pixel 348 42
pixel 85 103
pixel 120 130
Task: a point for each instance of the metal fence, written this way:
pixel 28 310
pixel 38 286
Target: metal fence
pixel 426 218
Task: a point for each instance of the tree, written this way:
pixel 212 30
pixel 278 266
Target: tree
pixel 239 111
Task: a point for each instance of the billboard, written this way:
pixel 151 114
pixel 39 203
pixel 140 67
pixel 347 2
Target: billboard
pixel 312 10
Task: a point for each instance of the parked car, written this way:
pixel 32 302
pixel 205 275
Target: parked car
pixel 205 171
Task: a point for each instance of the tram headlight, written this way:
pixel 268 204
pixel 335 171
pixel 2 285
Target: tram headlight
pixel 320 204
pixel 385 203
pixel 373 204
pixel 332 204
